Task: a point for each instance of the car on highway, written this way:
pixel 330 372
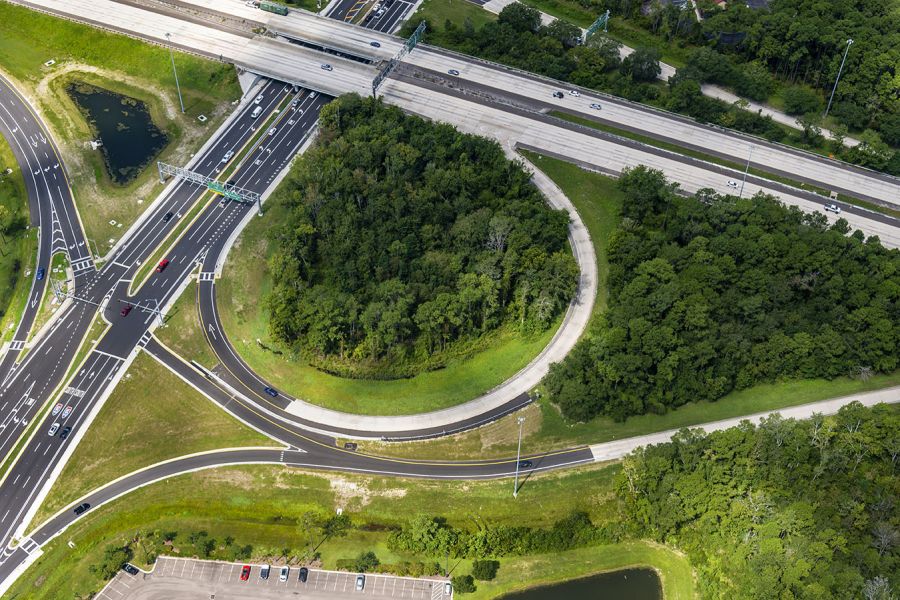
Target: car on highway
pixel 258 99
pixel 271 391
pixel 525 464
pixel 283 575
pixel 327 67
pixel 574 93
pixel 126 309
pixel 264 572
pixel 596 106
pixel 833 208
pixel 57 408
pixel 375 44
pixel 162 265
pixel 453 72
pixel 40 273
pixel 227 156
pixel 66 412
pixel 130 569
pixel 295 103
pixel 245 572
pixel 53 429
pixel 558 95
pixel 81 508
pixel 304 574
pixel 360 582
pixel 168 217
pixel 273 130
pixel 65 433
pixel 732 183
pixel 256 112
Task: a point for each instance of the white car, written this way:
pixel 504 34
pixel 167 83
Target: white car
pixel 574 93
pixel 360 582
pixel 227 156
pixel 448 589
pixel 283 576
pixel 312 95
pixel 55 427
pixel 327 67
pixel 272 131
pixel 732 183
pixel 833 208
pixel 596 106
pixel 258 99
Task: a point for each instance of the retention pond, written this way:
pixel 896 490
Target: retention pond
pixel 130 139
pixel 633 584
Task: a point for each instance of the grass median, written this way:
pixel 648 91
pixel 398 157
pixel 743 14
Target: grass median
pixel 123 65
pixel 18 244
pixel 144 427
pixel 264 507
pixel 597 200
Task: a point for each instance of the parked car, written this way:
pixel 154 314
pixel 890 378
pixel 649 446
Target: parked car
pixel 271 391
pixel 162 265
pixel 53 429
pixel 65 433
pixel 130 569
pixel 833 208
pixel 81 508
pixel 126 309
pixel 40 273
pixel 245 572
pixel 304 574
pixel 283 575
pixel 360 582
pixel 448 588
pixel 264 572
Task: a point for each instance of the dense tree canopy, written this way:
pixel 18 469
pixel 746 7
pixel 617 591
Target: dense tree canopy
pixel 789 509
pixel 405 236
pixel 708 294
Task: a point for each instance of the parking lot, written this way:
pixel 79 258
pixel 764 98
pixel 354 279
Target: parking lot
pixel 189 579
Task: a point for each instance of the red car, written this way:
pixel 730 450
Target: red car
pixel 162 265
pixel 126 310
pixel 245 573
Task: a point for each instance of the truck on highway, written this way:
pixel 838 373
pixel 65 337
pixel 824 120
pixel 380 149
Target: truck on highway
pixel 271 7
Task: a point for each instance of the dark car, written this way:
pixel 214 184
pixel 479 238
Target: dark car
pixel 81 508
pixel 130 569
pixel 375 44
pixel 245 573
pixel 558 95
pixel 126 309
pixel 271 391
pixel 40 273
pixel 168 217
pixel 65 433
pixel 525 464
pixel 162 265
pixel 304 573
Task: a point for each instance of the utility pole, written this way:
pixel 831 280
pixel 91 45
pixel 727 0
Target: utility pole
pixel 520 421
pixel 838 78
pixel 172 57
pixel 744 180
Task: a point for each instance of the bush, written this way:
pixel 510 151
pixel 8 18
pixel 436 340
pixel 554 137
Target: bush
pixel 113 559
pixel 485 570
pixel 800 100
pixel 366 561
pixel 463 584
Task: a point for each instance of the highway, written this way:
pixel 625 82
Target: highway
pixel 51 208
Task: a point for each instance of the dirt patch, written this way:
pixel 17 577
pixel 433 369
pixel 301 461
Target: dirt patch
pixel 233 477
pixel 357 493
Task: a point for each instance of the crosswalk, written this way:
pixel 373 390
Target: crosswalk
pixel 81 265
pixel 206 276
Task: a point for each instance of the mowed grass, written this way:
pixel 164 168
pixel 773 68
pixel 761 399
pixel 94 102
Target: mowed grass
pixel 151 416
pixel 123 65
pixel 240 295
pixel 18 251
pixel 598 202
pixel 182 332
pixel 264 505
pixel 438 12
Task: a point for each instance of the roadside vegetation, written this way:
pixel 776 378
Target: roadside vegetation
pixel 282 515
pixel 138 427
pixel 18 244
pixel 710 294
pixel 123 65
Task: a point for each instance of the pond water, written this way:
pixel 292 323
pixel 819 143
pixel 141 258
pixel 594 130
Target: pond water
pixel 130 137
pixel 628 584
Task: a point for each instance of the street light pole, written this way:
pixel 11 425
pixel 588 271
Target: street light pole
pixel 838 78
pixel 519 420
pixel 746 170
pixel 172 57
